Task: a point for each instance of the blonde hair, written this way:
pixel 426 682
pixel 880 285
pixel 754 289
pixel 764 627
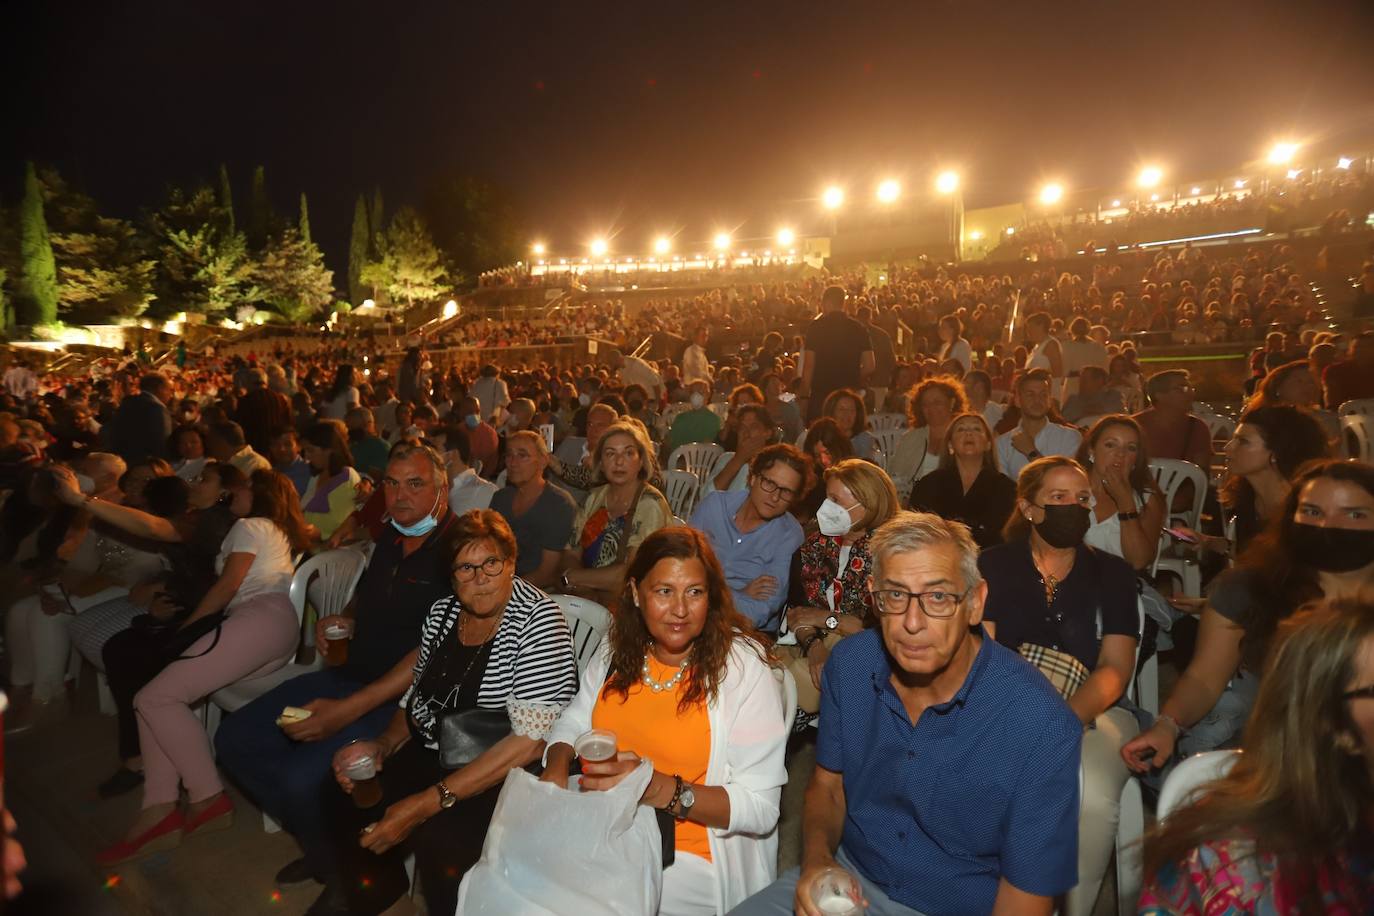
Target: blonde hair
pixel 871 487
pixel 628 426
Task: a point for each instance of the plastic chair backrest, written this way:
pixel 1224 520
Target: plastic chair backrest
pixel 681 489
pixel 887 440
pixel 1357 407
pixel 1191 776
pixel 588 621
pixel 788 685
pixel 1171 474
pixel 697 457
pixel 1359 436
pixel 501 480
pixel 878 422
pixel 1220 427
pixel 336 574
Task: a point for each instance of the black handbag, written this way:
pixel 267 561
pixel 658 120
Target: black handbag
pixel 467 734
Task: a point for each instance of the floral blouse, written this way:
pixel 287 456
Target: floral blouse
pixel 816 576
pixel 1228 877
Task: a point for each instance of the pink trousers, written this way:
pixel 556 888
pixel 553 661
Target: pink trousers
pixel 259 636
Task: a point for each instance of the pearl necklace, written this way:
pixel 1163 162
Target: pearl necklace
pixel 669 684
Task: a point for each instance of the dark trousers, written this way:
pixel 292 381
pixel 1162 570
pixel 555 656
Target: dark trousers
pixel 132 658
pixel 445 846
pixel 283 776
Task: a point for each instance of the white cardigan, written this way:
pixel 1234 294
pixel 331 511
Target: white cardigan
pixel 748 737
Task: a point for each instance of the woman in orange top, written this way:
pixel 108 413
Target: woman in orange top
pixel 683 681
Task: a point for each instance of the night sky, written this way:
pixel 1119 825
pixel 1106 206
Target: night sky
pixel 642 117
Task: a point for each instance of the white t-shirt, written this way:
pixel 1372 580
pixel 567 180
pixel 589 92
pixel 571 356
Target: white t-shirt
pixel 336 407
pixel 271 570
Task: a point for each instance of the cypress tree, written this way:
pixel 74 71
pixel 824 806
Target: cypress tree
pixel 305 219
pixel 38 282
pixel 374 215
pixel 358 252
pixel 260 215
pixel 226 195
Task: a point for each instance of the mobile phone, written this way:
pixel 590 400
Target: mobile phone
pixel 1181 534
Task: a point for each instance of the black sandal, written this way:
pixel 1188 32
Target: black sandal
pixel 124 780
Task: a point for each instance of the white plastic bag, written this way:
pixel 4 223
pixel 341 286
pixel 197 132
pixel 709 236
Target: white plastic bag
pixel 557 852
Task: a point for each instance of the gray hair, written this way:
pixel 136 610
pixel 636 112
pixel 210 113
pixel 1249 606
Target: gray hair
pixel 909 531
pixel 403 450
pixel 108 463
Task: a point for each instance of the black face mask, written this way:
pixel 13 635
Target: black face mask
pixel 1333 550
pixel 1065 526
pixel 635 405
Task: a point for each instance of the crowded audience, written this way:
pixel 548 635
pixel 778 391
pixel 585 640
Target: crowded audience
pixel 154 520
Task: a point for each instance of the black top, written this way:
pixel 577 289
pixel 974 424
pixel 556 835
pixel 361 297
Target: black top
pixel 984 508
pixel 394 596
pixel 450 682
pixel 837 342
pixel 1016 601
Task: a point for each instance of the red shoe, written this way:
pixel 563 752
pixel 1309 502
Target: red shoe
pixel 219 816
pixel 165 834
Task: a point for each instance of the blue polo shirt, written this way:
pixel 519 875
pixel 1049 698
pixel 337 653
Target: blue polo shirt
pixel 979 788
pixel 767 550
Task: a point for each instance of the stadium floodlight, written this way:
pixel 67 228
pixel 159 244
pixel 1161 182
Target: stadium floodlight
pixel 538 249
pixel 786 237
pixel 599 247
pixel 450 308
pixel 1240 183
pixel 1150 177
pixel 1154 198
pixel 1344 163
pixel 1294 173
pixel 1196 191
pixel 947 182
pixel 832 197
pixel 976 234
pixel 1282 153
pixel 1011 230
pixel 889 190
pixel 662 245
pixel 721 241
pixel 1051 194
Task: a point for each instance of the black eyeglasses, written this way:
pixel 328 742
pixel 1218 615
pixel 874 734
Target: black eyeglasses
pixel 491 566
pixel 1359 693
pixel 771 486
pixel 938 604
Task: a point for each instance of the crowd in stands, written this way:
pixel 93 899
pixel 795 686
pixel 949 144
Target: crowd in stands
pixel 948 542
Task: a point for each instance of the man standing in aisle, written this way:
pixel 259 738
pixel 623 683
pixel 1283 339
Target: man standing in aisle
pixel 838 353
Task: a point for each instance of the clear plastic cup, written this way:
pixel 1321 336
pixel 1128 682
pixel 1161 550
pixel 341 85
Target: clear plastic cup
pixel 835 892
pixel 336 637
pixel 367 789
pixel 596 745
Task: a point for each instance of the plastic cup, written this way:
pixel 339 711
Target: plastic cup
pixel 835 891
pixel 367 790
pixel 336 637
pixel 596 746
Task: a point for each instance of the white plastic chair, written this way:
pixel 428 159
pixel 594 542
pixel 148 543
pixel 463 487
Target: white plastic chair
pixel 1192 775
pixel 1359 435
pixel 1171 474
pixel 501 480
pixel 338 572
pixel 880 422
pixel 1130 824
pixel 1357 407
pixel 1221 428
pixel 588 621
pixel 681 488
pixel 697 457
pixel 887 439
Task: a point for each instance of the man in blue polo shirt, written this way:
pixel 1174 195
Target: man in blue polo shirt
pixel 946 776
pixel 754 535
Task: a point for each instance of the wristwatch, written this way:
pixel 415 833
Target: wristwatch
pixel 1127 516
pixel 685 801
pixel 446 798
pixel 1033 454
pixel 832 623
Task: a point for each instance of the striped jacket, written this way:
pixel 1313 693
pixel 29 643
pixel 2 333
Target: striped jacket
pixel 531 671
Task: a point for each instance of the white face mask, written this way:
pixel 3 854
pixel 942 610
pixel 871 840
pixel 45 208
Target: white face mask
pixel 833 519
pixel 697 400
